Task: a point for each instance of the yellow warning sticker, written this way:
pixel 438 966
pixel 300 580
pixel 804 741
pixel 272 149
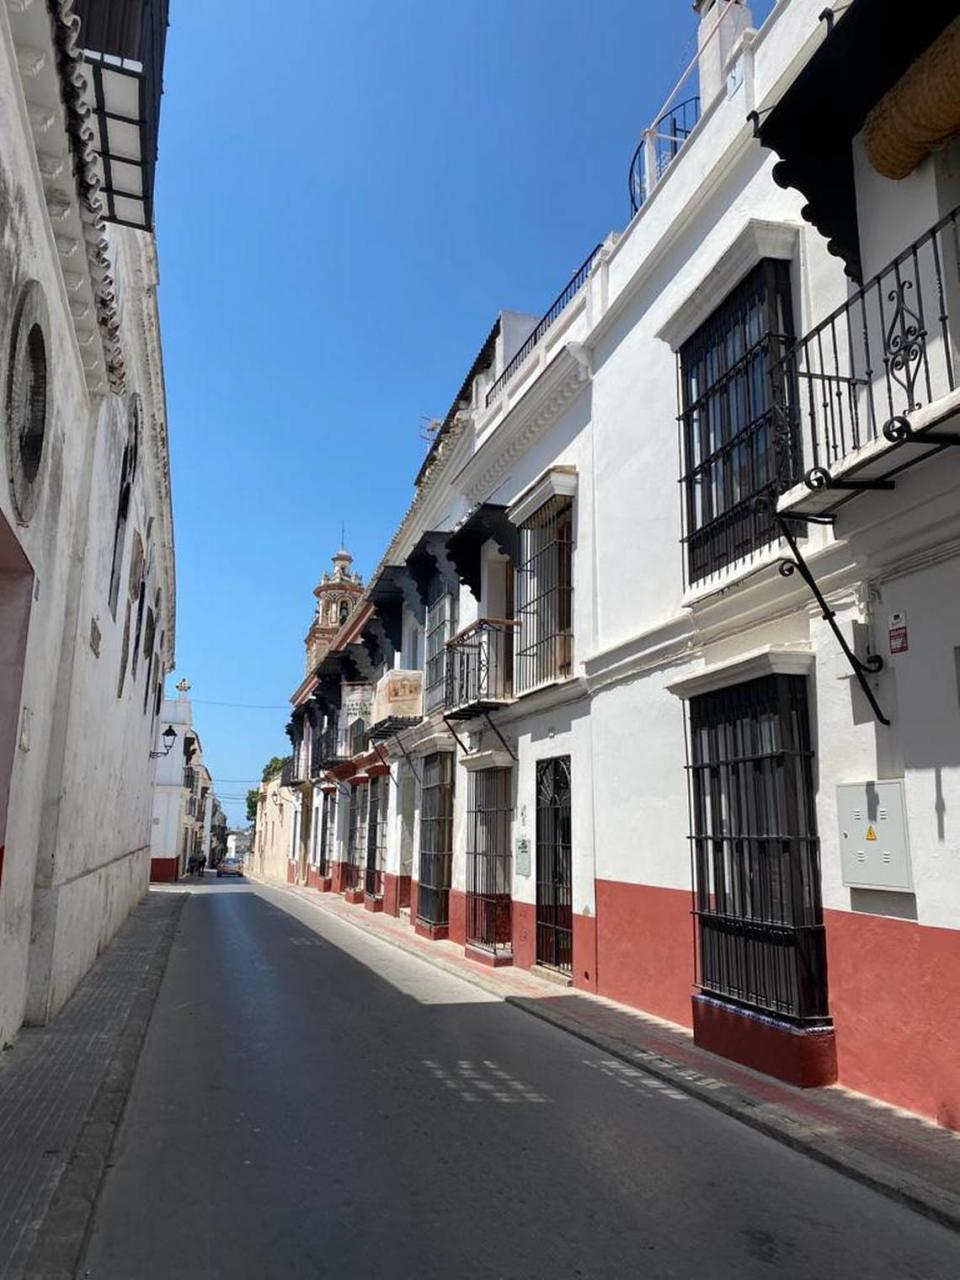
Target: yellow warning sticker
pixel 871 833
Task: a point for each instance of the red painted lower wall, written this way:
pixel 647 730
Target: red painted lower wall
pixel 414 895
pixel 458 917
pixel 291 872
pixel 524 934
pixel 585 952
pixel 396 893
pixel 645 948
pixel 895 1003
pixel 162 870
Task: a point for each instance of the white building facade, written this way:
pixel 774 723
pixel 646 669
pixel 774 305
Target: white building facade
pixel 87 583
pixel 657 683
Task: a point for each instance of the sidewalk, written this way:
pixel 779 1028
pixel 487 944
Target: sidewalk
pixel 898 1154
pixel 62 1092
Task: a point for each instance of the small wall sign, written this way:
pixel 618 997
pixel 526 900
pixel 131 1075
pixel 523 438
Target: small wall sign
pixel 522 858
pixel 897 633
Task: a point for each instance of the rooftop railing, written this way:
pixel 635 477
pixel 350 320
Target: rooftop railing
pixel 658 147
pixel 559 305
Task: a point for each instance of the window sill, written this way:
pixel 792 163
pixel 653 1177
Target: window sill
pixel 733 575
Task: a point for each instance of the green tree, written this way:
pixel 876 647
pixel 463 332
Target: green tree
pixel 270 770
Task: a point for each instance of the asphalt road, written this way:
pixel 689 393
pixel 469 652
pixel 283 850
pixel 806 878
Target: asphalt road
pixel 312 1102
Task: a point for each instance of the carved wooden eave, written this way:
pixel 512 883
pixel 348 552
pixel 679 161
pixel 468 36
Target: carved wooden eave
pixel 545 401
pixel 154 395
pixel 49 63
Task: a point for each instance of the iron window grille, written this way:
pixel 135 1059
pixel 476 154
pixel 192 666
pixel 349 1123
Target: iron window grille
pixel 735 447
pixel 359 740
pixel 376 835
pixel 356 836
pixel 544 595
pixel 440 626
pixel 756 855
pixel 328 832
pixel 554 865
pixel 436 838
pixel 489 861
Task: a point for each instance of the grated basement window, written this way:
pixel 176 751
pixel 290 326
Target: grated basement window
pixel 436 838
pixel 544 596
pixel 489 861
pixel 735 448
pixel 756 855
pixel 440 626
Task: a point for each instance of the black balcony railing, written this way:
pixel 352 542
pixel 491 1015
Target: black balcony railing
pixel 479 672
pixel 658 146
pixel 334 745
pixel 559 304
pixel 290 774
pixel 887 352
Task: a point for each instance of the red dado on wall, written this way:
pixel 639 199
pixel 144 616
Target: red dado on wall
pixel 895 1003
pixel 645 948
pixel 458 917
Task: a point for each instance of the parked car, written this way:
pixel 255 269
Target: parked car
pixel 230 867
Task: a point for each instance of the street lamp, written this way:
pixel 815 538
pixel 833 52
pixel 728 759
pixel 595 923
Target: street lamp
pixel 169 738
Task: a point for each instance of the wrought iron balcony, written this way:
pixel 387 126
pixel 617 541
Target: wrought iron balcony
pixel 479 673
pixel 559 304
pixel 359 738
pixel 873 388
pixel 291 774
pixel 658 146
pixel 334 746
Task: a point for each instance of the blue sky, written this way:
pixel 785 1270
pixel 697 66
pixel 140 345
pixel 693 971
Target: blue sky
pixel 346 197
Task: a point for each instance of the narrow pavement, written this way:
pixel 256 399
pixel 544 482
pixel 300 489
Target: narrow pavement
pixel 312 1102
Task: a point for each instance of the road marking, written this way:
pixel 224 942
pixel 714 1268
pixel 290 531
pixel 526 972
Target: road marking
pixel 482 1081
pixel 633 1078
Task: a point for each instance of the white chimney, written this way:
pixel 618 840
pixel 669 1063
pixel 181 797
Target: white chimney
pixel 715 44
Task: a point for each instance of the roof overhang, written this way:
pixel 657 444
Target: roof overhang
pixel 865 51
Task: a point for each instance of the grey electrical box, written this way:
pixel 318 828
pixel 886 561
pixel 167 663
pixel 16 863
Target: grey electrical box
pixel 522 856
pixel 874 851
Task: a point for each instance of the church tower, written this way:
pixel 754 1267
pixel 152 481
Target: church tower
pixel 338 594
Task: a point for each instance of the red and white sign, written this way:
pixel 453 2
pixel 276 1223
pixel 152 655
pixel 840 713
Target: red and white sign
pixel 897 633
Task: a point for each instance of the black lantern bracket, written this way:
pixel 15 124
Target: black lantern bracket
pixel 862 668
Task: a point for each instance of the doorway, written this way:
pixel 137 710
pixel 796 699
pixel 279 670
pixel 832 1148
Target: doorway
pixel 554 865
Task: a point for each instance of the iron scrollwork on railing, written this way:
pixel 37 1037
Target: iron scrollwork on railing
pixel 887 352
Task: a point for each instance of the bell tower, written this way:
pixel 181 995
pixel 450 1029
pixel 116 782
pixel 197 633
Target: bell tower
pixel 338 593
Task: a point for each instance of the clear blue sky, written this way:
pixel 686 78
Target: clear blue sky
pixel 347 194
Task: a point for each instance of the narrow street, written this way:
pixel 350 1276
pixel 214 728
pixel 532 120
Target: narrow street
pixel 311 1101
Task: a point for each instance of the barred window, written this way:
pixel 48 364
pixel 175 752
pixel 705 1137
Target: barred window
pixel 544 596
pixel 441 626
pixel 489 862
pixel 735 449
pixel 328 832
pixel 376 835
pixel 356 837
pixel 756 855
pixel 436 838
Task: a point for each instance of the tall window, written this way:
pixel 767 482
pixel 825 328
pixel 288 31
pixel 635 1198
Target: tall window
pixel 489 864
pixel 328 832
pixel 735 448
pixel 441 625
pixel 544 596
pixel 436 838
pixel 356 842
pixel 376 835
pixel 755 848
pixel 128 469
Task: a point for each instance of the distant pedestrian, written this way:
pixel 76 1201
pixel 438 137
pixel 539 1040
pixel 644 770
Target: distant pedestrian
pixel 192 865
pixel 202 863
